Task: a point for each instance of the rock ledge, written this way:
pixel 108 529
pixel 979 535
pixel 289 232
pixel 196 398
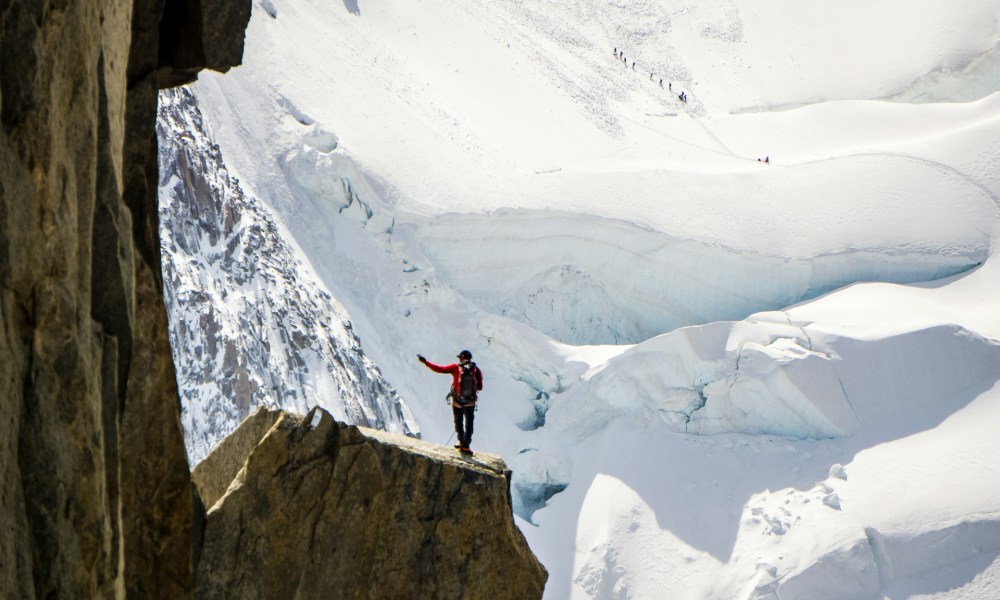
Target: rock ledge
pixel 321 509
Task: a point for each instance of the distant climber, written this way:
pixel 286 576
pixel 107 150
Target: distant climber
pixel 683 97
pixel 670 86
pixel 661 82
pixel 467 382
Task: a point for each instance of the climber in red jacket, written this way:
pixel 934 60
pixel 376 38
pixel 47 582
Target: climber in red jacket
pixel 466 383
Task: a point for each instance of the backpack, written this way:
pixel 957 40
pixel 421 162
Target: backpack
pixel 467 384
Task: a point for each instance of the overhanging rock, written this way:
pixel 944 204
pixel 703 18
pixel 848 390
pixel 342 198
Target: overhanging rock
pixel 320 509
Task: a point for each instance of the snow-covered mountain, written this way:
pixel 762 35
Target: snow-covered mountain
pixel 249 324
pixel 712 376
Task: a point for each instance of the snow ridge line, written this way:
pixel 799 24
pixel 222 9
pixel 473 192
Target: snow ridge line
pixel 939 166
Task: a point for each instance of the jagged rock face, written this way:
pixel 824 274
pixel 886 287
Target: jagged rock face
pixel 321 509
pixel 95 497
pixel 250 323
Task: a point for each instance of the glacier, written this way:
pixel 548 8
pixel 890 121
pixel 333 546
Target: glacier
pixel 710 377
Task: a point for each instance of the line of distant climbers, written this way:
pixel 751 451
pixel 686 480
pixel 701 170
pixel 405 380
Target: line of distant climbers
pixel 670 85
pixel 620 55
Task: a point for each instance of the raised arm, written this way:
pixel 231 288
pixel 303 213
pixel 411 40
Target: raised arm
pixel 434 367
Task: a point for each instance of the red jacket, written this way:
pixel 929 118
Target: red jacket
pixel 456 372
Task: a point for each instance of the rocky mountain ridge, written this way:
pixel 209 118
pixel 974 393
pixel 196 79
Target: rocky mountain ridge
pixel 250 325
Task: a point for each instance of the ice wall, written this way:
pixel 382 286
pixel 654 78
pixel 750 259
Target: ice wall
pixel 773 375
pixel 582 279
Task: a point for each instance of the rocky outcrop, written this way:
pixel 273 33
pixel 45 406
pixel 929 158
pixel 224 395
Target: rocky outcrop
pixel 320 509
pixel 95 493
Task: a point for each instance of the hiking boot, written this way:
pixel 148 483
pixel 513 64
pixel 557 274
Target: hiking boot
pixel 465 450
pixel 458 446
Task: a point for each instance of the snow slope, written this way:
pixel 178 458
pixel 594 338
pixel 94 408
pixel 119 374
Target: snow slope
pixel 905 504
pixel 713 377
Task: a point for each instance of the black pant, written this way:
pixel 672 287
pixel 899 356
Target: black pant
pixel 466 414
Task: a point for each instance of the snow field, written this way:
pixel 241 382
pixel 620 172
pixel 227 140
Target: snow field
pixel 489 176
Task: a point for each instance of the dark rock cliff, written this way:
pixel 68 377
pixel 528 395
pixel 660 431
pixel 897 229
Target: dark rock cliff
pixel 95 493
pixel 314 508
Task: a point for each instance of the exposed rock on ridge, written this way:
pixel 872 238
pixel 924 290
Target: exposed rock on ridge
pixel 322 509
pixel 250 324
